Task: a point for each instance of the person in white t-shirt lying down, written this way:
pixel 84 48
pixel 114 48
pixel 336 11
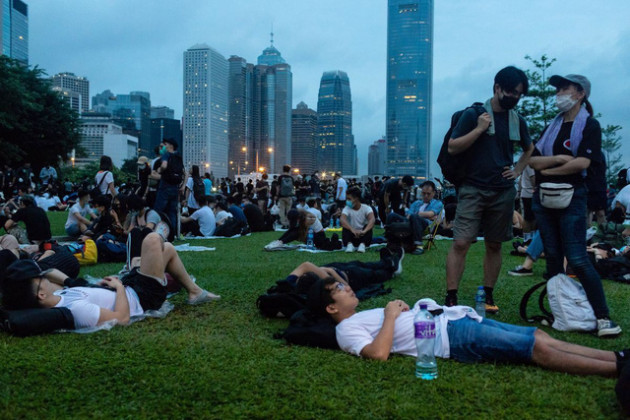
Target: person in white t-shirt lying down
pixel 26 286
pixel 461 334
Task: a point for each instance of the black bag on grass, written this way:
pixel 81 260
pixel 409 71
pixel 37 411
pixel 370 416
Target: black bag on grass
pixel 399 234
pixel 281 301
pixel 308 329
pixel 28 322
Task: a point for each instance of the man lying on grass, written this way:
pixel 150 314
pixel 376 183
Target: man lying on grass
pixel 460 334
pixel 26 286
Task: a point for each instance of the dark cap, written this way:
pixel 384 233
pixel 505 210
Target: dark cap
pixel 172 142
pixel 24 270
pixel 559 81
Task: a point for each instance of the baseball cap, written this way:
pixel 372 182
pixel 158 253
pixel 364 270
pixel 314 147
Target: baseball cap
pixel 22 270
pixel 557 81
pixel 142 160
pixel 171 141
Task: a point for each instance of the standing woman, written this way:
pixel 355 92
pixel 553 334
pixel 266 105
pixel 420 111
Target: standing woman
pixel 567 147
pixel 105 178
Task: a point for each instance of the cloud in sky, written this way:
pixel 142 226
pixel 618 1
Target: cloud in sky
pixel 138 45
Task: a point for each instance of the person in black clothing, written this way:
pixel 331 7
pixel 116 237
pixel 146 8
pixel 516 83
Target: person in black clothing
pixel 257 221
pixel 105 221
pixel 262 193
pixel 35 219
pixel 390 197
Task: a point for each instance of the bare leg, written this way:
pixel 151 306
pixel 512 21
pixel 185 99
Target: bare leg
pixel 592 353
pixel 528 263
pixel 491 263
pixel 547 356
pixel 455 263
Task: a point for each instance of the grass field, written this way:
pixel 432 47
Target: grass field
pixel 219 360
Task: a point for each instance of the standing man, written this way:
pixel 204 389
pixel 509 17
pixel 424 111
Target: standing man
pixel 286 191
pixel 392 195
pixel 486 197
pixel 48 175
pixel 171 174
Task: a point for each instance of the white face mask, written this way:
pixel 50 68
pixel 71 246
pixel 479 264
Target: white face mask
pixel 565 102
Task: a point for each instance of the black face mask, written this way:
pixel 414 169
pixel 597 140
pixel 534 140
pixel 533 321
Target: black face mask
pixel 508 102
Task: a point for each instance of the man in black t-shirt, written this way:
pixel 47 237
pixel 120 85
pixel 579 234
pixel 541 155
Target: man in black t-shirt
pixel 35 219
pixel 486 196
pixel 390 196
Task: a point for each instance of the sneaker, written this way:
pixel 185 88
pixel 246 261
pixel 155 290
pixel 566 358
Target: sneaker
pixel 361 248
pixel 607 328
pixel 350 247
pixel 491 308
pixel 274 244
pixel 521 271
pixel 418 251
pixel 451 300
pixel 399 267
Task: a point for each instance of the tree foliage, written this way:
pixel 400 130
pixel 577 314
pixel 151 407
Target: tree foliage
pixel 36 124
pixel 538 107
pixel 611 142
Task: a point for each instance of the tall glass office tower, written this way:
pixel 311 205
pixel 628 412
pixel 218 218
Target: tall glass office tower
pixel 205 117
pixel 409 87
pixel 334 124
pixel 14 34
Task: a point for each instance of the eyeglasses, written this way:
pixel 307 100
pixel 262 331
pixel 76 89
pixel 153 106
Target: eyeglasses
pixel 339 287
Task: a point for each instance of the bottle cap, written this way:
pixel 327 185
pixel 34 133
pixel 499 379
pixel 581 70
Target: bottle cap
pixel 480 287
pixel 423 306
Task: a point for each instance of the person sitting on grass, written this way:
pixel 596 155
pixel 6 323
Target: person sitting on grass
pixel 299 233
pixel 35 219
pixel 201 222
pixel 357 222
pixel 460 334
pixel 79 215
pixel 25 285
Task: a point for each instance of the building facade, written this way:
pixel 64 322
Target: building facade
pixel 166 128
pixel 377 155
pixel 132 112
pixel 205 118
pixel 94 126
pixel 75 89
pixel 334 124
pixel 162 112
pixel 304 139
pixel 260 101
pixel 409 87
pixel 14 33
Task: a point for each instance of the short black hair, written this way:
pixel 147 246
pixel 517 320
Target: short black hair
pixel 428 184
pixel 509 78
pixel 135 202
pixel 202 201
pixel 103 201
pixel 82 193
pixel 19 294
pixel 408 180
pixel 319 295
pixel 286 168
pixel 354 192
pixel 221 205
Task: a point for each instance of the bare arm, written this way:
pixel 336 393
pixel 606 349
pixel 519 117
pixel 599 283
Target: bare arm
pixel 539 163
pixel 370 224
pixel 573 166
pixel 121 306
pixel 520 165
pixel 461 144
pixel 381 347
pixel 343 220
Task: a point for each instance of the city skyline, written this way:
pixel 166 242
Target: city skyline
pixel 146 55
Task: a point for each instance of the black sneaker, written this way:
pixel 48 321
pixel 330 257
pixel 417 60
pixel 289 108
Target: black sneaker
pixel 520 271
pixel 451 300
pixel 418 250
pixel 607 328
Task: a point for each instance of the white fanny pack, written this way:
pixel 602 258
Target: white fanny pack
pixel 555 196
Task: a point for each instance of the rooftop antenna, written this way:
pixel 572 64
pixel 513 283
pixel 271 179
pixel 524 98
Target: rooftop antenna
pixel 271 33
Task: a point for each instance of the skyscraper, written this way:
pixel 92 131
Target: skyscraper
pixel 162 112
pixel 74 88
pixel 377 154
pixel 304 139
pixel 409 80
pixel 260 100
pixel 334 123
pixel 14 34
pixel 206 110
pixel 132 112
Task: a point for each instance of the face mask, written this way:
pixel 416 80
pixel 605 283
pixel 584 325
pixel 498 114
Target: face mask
pixel 565 102
pixel 508 102
pixel 163 150
pixel 349 203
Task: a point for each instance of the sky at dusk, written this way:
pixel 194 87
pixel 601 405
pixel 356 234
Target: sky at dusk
pixel 125 46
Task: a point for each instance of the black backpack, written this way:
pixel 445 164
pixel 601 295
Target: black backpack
pixel 286 186
pixel 308 329
pixel 282 300
pixel 174 173
pixel 199 189
pixel 454 166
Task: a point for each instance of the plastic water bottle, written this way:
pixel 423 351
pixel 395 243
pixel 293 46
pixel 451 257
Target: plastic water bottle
pixel 332 222
pixel 309 239
pixel 424 326
pixel 480 302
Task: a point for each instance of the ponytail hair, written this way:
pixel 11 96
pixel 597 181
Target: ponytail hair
pixel 589 107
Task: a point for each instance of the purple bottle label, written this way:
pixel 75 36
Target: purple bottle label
pixel 424 329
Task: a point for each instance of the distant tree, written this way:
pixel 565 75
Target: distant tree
pixel 36 123
pixel 538 107
pixel 611 142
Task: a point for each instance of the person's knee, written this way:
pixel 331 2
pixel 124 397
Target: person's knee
pixel 493 247
pixel 152 242
pixel 460 247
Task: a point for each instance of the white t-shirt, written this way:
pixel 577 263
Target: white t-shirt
pixel 192 203
pixel 356 332
pixel 358 219
pixel 316 212
pixel 205 217
pixel 85 303
pixel 343 185
pixel 103 186
pixel 317 226
pixel 222 215
pixel 527 188
pixel 77 209
pixel 46 201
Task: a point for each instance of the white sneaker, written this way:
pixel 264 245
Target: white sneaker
pixel 274 244
pixel 350 247
pixel 361 248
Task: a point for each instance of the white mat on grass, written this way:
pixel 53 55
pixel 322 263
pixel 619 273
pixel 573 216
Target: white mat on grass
pixel 188 247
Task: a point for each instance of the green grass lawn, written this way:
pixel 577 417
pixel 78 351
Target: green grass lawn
pixel 219 360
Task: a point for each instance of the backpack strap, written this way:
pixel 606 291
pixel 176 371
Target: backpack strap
pixel 547 317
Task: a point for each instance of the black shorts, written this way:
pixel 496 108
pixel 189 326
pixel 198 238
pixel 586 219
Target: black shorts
pixel 528 213
pixel 150 293
pixel 596 200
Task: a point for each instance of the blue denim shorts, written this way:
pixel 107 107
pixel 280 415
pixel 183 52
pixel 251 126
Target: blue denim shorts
pixel 490 341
